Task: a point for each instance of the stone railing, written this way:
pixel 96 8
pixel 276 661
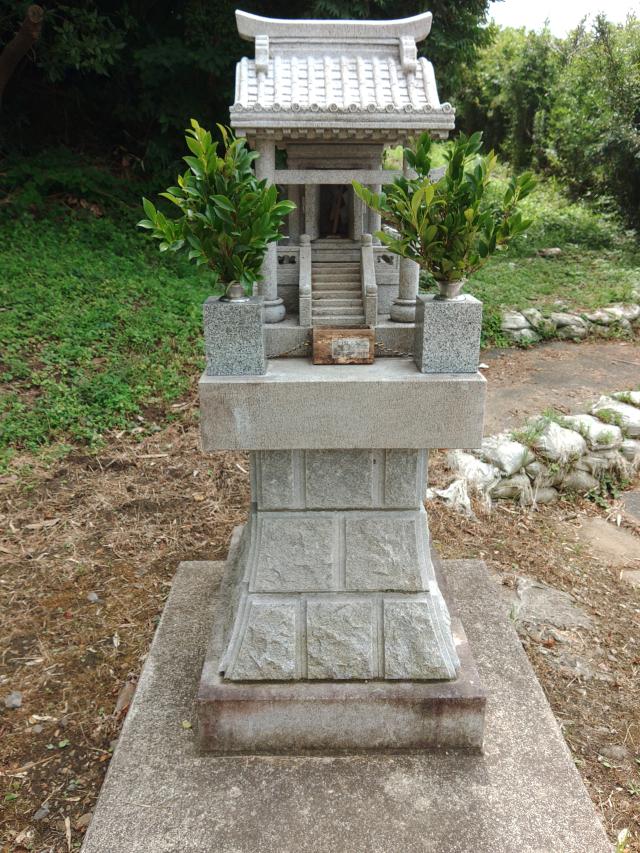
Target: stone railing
pixel 288 264
pixel 305 279
pixel 369 286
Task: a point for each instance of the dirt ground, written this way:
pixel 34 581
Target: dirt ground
pixel 560 375
pixel 88 547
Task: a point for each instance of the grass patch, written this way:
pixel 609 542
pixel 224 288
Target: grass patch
pixel 96 328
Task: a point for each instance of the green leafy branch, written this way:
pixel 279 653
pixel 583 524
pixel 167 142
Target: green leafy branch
pixel 227 216
pixel 447 226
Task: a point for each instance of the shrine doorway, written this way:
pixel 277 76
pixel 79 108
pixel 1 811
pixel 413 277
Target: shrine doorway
pixel 335 211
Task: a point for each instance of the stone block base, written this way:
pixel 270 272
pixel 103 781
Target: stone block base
pixel 523 793
pixel 297 718
pixel 447 334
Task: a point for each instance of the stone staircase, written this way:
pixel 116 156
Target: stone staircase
pixel 336 294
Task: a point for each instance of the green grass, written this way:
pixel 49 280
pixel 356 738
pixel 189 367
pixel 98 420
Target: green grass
pixel 98 329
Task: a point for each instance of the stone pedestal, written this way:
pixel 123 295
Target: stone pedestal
pixel 332 598
pixel 234 339
pixel 334 579
pixel 447 334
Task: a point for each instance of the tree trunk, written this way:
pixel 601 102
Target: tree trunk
pixel 20 44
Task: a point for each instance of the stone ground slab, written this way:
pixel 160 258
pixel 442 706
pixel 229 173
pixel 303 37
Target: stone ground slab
pixel 631 504
pixel 613 545
pixel 524 794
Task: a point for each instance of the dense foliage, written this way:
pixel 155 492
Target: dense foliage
pixel 227 216
pixel 568 106
pixel 449 226
pixel 126 76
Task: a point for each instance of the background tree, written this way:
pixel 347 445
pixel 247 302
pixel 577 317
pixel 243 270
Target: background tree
pixel 126 75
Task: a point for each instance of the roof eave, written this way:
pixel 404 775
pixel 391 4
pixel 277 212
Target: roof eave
pixel 250 26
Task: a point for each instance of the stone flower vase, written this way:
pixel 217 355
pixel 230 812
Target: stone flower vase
pixel 234 339
pixel 450 290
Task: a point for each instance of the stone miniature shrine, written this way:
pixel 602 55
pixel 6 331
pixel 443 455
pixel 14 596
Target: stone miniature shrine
pixel 333 632
pixel 333 628
pixel 328 96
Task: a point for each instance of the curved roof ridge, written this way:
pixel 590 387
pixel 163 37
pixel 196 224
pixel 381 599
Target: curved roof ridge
pixel 250 26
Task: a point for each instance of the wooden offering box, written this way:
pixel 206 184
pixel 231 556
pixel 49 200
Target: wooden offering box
pixel 343 344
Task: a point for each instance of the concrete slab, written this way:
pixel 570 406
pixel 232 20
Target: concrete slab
pixel 299 405
pixel 524 793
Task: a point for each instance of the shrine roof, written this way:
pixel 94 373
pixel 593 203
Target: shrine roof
pixel 336 76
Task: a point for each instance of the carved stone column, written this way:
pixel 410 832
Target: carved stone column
pixel 312 211
pixel 375 221
pixel 403 309
pixel 295 217
pixel 274 310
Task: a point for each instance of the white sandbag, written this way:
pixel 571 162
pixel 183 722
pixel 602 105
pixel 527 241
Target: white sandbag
pixel 478 474
pixel 579 481
pixel 603 462
pixel 559 444
pixel 511 321
pixel 597 434
pixel 545 495
pixel 455 495
pixel 623 311
pixel 631 397
pixel 630 449
pixel 505 453
pixel 628 416
pixel 517 487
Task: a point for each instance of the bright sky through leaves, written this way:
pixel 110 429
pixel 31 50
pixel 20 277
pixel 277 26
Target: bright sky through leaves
pixel 563 15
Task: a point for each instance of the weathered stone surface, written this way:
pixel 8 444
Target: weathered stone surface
pixel 599 462
pixel 447 334
pixel 539 604
pixel 631 504
pixel 267 647
pixel 339 479
pixel 295 554
pixel 405 477
pixel 340 639
pixel 540 323
pixel 298 405
pixel 275 472
pixel 411 642
pixel 383 552
pixel 524 793
pixel 234 338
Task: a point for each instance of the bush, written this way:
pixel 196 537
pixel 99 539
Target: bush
pixel 569 107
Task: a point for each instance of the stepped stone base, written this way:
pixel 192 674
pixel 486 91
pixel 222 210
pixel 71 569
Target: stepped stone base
pixel 331 717
pixel 522 793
